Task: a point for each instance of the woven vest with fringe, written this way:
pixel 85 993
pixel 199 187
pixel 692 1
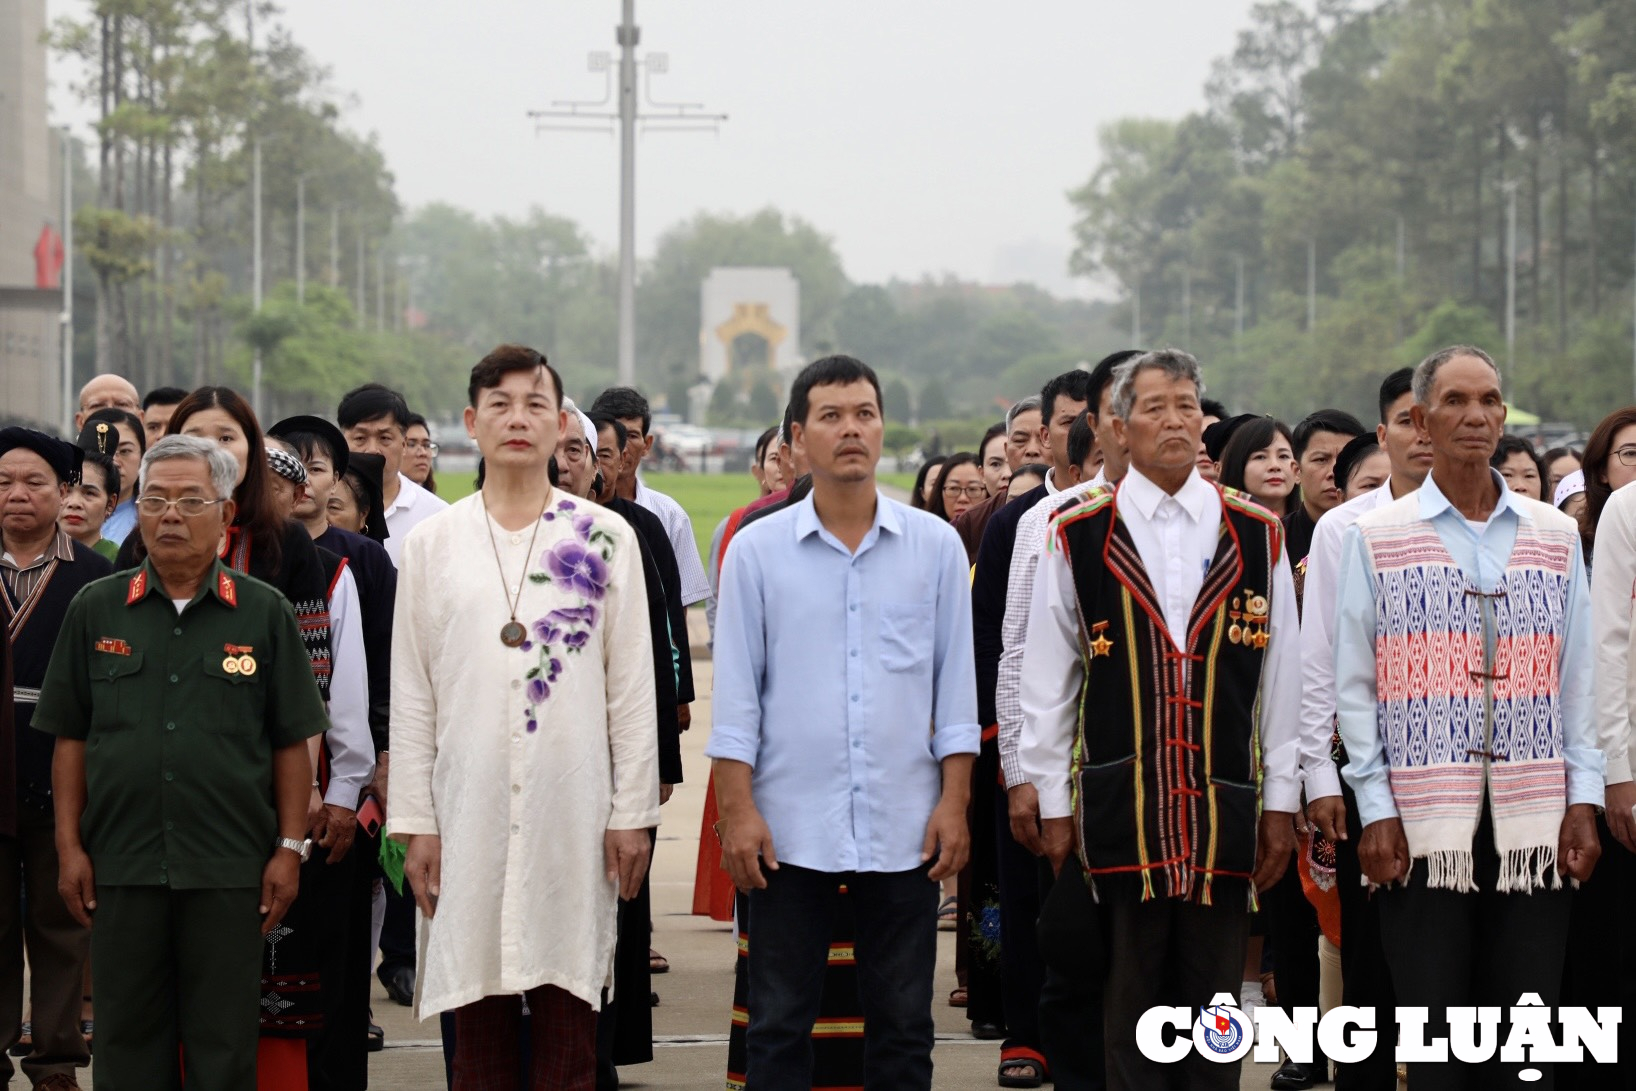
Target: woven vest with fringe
pixel 1166 764
pixel 1455 720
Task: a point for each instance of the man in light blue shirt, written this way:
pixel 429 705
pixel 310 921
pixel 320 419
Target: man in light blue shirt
pixel 845 727
pixel 1462 676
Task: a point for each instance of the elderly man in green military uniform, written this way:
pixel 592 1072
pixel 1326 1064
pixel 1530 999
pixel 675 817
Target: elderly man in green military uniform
pixel 181 698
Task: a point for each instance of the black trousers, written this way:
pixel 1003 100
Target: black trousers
pixel 1022 974
pixel 1292 925
pixel 1484 948
pixel 338 1056
pixel 1366 981
pixel 1070 999
pixel 791 924
pixel 1170 952
pixel 1601 963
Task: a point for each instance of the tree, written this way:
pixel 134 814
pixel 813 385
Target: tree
pixel 895 401
pixel 934 403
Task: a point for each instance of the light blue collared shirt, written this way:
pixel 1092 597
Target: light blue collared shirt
pixel 120 522
pixel 1483 558
pixel 845 679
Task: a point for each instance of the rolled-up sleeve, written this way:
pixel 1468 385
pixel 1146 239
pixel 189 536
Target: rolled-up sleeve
pixel 1052 675
pixel 1355 684
pixel 740 656
pixel 954 666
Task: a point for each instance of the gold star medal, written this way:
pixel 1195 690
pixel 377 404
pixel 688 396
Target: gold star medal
pixel 1100 644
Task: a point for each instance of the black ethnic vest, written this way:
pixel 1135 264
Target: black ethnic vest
pixel 1166 764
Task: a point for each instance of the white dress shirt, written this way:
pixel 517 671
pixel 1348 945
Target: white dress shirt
pixel 351 747
pixel 1613 595
pixel 413 506
pixel 1032 530
pixel 679 529
pixel 1318 770
pixel 1176 538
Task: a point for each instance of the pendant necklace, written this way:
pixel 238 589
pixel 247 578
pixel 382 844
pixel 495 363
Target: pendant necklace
pixel 512 633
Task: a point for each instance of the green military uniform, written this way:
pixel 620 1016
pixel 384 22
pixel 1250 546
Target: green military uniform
pixel 180 715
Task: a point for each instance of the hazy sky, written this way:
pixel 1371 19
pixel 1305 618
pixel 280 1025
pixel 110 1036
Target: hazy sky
pixel 923 137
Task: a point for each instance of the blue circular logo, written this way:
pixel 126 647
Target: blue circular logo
pixel 1222 1032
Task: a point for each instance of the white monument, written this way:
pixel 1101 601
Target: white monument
pixel 749 324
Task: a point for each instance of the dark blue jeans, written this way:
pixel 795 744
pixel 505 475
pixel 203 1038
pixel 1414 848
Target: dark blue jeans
pixel 790 926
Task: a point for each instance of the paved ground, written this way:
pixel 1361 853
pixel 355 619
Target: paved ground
pixel 696 996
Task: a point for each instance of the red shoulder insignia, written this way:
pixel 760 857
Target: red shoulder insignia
pixel 226 589
pixel 138 588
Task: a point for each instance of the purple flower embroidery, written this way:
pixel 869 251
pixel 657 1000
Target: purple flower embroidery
pixel 579 568
pixel 538 690
pixel 566 505
pixel 545 632
pixel 576 639
pixel 583 525
pixel 553 670
pixel 574 614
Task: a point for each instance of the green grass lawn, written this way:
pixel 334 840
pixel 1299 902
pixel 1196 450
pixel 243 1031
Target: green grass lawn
pixel 707 498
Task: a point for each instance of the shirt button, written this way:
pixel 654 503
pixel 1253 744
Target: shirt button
pixel 516 829
pixel 516 683
pixel 163 879
pixel 170 776
pixel 516 539
pixel 170 727
pixel 174 678
pixel 516 738
pixel 853 607
pixel 170 825
pixel 176 631
pixel 516 789
pixel 854 653
pixel 857 788
pixel 854 698
pixel 857 744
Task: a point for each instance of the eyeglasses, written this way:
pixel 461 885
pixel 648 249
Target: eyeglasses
pixel 1627 456
pixel 191 507
pixel 975 491
pixel 421 445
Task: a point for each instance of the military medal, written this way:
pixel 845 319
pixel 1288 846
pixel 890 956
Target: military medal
pixel 247 665
pixel 1100 644
pixel 1234 634
pixel 230 665
pixel 513 633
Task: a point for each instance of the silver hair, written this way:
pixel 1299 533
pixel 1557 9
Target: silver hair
pixel 1425 374
pixel 1032 402
pixel 224 468
pixel 1173 362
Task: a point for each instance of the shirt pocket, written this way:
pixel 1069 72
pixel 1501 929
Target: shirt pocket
pixel 108 672
pixel 234 703
pixel 906 634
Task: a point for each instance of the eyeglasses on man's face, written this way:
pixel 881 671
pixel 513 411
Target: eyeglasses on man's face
pixel 190 507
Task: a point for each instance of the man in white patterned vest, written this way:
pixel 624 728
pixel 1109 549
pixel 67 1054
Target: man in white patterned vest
pixel 1462 669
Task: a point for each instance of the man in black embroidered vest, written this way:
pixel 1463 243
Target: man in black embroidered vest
pixel 1170 603
pixel 41 569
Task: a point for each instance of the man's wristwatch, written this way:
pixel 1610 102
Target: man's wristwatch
pixel 302 849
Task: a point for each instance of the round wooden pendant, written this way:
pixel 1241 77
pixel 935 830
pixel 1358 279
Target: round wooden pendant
pixel 512 634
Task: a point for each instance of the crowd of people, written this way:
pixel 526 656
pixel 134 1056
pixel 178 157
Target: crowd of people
pixel 1147 701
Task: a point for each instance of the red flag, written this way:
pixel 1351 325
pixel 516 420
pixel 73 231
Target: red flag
pixel 48 258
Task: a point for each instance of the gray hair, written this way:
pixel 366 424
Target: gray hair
pixel 1173 362
pixel 1031 403
pixel 1425 375
pixel 224 468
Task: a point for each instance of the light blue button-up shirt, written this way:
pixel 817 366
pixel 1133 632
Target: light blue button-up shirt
pixel 120 522
pixel 1483 558
pixel 845 679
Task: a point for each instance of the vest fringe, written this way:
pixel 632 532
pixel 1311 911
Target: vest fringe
pixel 1147 884
pixel 1204 894
pixel 1451 869
pixel 1525 870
